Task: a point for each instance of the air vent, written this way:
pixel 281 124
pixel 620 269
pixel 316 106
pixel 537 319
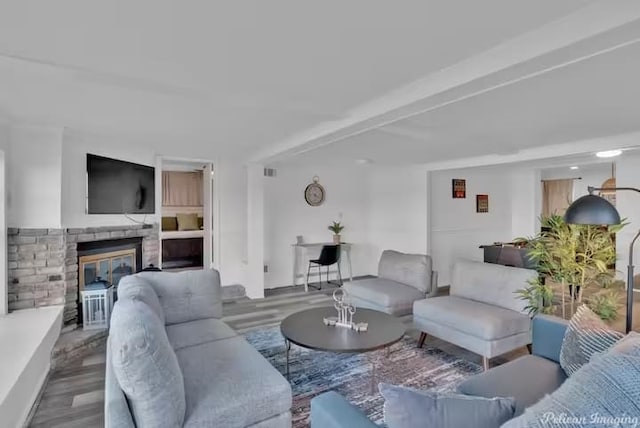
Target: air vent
pixel 270 172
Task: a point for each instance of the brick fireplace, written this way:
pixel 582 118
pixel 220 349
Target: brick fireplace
pixel 44 263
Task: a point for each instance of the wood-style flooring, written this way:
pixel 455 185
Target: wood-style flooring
pixel 74 395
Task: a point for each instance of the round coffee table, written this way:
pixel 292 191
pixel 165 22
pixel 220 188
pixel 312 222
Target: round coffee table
pixel 307 329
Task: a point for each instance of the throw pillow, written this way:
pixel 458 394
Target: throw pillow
pixel 169 224
pixel 603 393
pixel 187 221
pixel 586 335
pixel 629 345
pixel 410 408
pixel 146 366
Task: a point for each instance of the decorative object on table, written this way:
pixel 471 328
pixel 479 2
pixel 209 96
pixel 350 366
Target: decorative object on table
pixel 594 210
pixel 458 188
pixel 482 203
pixel 97 303
pixel 314 193
pixel 336 228
pixel 329 256
pixel 345 313
pixel 577 257
pixel 314 372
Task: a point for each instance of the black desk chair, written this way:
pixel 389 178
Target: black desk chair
pixel 329 256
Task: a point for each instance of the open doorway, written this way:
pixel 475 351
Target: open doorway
pixel 186 208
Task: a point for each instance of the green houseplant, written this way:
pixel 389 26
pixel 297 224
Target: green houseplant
pixel 336 228
pixel 576 257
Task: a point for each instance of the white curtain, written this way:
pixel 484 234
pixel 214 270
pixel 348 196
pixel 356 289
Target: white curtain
pixel 182 189
pixel 557 195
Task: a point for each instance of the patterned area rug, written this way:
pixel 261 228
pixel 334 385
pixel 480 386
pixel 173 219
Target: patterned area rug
pixel 314 372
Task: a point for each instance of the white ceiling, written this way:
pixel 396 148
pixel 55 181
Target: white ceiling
pixel 275 81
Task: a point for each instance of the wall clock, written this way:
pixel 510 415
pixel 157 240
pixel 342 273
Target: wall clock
pixel 314 193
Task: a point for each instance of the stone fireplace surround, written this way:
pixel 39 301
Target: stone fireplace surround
pixel 43 263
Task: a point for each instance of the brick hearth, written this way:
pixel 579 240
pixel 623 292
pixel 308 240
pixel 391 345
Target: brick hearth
pixel 43 263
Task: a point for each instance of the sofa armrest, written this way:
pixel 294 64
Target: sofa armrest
pixel 331 410
pixel 548 334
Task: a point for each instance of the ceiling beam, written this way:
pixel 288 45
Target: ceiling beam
pixel 592 21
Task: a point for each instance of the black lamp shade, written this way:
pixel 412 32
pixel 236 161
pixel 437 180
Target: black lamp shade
pixel 592 209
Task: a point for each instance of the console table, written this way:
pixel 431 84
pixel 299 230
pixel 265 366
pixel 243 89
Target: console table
pixel 302 253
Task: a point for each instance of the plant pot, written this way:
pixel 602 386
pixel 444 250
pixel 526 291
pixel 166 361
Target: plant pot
pixel 336 239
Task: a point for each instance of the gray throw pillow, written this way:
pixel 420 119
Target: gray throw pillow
pixel 411 408
pixel 586 335
pixel 603 393
pixel 145 366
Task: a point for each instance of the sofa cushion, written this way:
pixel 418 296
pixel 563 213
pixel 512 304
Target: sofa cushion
pixel 198 332
pixel 134 287
pixel 229 384
pixel 607 387
pixel 145 366
pixel 585 336
pixel 490 283
pixel 527 379
pixel 478 319
pixel 408 269
pixel 187 296
pixel 410 408
pixel 394 297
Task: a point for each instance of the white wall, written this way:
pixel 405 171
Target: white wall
pixel 286 215
pixel 75 147
pixel 397 211
pixel 35 177
pixel 628 205
pixel 4 145
pixel 526 202
pixel 457 230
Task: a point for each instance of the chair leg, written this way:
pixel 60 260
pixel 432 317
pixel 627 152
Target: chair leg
pixel 319 287
pixel 308 272
pixel 340 274
pixel 530 348
pixel 423 337
pixel 485 363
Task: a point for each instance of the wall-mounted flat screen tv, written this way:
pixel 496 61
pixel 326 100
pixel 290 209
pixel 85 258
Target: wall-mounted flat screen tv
pixel 118 187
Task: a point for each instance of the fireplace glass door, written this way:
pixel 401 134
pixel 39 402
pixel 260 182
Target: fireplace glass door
pixel 110 267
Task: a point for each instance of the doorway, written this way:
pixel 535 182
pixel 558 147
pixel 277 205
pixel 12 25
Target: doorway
pixel 187 214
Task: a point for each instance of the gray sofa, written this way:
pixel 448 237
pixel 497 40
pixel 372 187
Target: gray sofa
pixel 172 362
pixel 527 379
pixel 402 279
pixel 482 313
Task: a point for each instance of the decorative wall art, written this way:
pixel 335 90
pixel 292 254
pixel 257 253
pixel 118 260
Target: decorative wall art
pixel 482 203
pixel 458 188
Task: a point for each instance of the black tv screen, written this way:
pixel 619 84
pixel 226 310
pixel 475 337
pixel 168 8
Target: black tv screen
pixel 118 187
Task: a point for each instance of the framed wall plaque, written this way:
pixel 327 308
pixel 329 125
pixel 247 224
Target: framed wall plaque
pixel 482 203
pixel 458 188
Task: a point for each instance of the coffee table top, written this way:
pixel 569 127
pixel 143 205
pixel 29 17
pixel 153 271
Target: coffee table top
pixel 306 329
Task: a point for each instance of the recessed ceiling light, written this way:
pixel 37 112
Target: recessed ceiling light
pixel 363 161
pixel 574 167
pixel 609 153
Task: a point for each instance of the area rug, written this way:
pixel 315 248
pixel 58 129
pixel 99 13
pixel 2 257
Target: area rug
pixel 314 372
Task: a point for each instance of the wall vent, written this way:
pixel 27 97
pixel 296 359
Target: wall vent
pixel 270 172
pixel 266 268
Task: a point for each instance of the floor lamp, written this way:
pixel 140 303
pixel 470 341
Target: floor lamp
pixel 595 210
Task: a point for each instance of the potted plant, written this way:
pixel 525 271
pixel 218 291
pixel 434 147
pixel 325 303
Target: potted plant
pixel 576 257
pixel 336 228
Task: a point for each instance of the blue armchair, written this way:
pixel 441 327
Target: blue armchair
pixel 527 379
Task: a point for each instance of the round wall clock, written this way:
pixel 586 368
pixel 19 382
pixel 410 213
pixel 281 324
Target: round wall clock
pixel 314 193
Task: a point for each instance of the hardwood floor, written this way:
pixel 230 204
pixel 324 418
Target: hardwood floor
pixel 74 395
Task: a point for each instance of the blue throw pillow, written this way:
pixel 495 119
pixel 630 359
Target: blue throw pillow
pixel 586 335
pixel 411 408
pixel 603 393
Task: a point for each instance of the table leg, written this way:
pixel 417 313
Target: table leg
pixel 287 345
pixel 374 364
